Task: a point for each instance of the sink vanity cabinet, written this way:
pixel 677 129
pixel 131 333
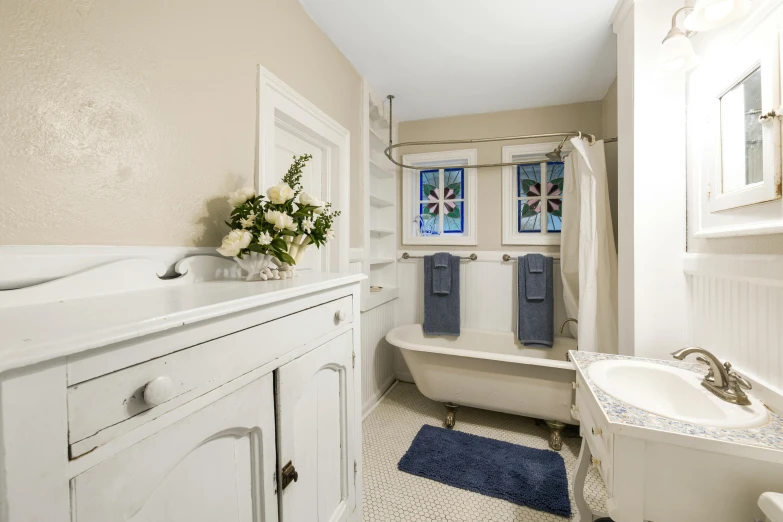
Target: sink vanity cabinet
pixel 188 402
pixel 662 470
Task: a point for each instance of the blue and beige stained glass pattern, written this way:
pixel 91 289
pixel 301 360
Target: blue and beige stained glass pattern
pixel 531 199
pixel 555 175
pixel 450 201
pixel 429 181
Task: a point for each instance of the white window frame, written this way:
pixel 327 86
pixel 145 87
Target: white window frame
pixel 534 153
pixel 411 197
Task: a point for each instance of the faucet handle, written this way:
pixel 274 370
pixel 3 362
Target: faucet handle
pixel 739 379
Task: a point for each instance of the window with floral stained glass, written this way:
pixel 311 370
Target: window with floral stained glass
pixel 440 200
pixel 533 194
pixel 540 197
pixel 442 203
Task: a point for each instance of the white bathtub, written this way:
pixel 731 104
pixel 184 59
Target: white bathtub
pixel 491 370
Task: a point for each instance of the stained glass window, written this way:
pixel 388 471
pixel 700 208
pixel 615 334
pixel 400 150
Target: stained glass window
pixel 539 197
pixel 442 201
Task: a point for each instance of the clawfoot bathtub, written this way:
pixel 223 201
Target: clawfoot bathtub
pixel 492 371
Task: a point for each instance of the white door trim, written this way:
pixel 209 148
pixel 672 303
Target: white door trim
pixel 279 106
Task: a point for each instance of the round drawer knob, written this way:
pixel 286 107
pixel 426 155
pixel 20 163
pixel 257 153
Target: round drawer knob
pixel 596 431
pixel 158 390
pixel 339 316
pixel 595 462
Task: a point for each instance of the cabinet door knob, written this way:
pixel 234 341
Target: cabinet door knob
pixel 339 316
pixel 289 474
pixel 595 462
pixel 596 431
pixel 158 390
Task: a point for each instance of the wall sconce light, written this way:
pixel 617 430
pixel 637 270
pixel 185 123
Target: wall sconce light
pixel 677 54
pixel 713 14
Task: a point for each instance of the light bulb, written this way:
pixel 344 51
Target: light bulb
pixel 718 11
pixel 677 54
pixel 713 14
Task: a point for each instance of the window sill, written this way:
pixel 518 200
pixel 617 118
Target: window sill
pixel 534 238
pixel 437 241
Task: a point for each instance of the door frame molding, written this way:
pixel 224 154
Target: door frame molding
pixel 280 106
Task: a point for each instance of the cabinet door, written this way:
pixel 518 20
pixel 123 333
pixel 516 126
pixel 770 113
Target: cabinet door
pixel 316 433
pixel 216 465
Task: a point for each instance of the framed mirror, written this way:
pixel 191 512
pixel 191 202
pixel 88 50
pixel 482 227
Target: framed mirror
pixel 747 130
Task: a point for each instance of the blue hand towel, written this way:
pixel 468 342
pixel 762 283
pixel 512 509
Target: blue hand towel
pixel 536 317
pixel 441 311
pixel 441 273
pixel 536 276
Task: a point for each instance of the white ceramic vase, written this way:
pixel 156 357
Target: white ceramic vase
pixel 256 265
pixel 297 247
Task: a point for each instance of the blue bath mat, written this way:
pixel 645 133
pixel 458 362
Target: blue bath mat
pixel 525 476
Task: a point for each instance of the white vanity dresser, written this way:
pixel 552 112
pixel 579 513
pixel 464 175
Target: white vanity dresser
pixel 126 397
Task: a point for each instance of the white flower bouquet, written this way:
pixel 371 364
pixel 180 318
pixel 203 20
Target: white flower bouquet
pixel 279 227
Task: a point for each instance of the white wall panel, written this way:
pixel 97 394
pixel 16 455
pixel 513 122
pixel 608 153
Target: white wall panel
pixel 734 306
pixel 488 295
pixel 377 355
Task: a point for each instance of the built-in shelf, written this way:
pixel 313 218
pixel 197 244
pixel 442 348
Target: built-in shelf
pixel 380 172
pixel 375 299
pixel 380 232
pixel 376 114
pixel 382 261
pixel 380 197
pixel 375 201
pixel 383 140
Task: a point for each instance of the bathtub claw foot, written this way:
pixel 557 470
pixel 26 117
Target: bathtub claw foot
pixel 451 415
pixel 556 434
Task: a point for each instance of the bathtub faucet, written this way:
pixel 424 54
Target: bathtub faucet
pixel 569 320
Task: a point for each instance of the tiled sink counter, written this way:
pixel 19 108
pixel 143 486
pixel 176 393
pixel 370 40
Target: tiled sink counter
pixel 660 470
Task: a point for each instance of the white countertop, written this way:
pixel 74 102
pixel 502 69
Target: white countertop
pixel 36 333
pixel 763 443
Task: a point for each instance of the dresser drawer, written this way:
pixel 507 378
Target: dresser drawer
pixel 98 409
pixel 598 438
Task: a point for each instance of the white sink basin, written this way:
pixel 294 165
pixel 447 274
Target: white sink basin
pixel 674 393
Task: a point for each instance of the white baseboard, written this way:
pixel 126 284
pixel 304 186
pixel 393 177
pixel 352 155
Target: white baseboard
pixel 26 265
pixel 376 399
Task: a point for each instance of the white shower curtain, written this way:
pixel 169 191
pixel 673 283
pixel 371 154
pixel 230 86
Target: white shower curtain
pixel 588 258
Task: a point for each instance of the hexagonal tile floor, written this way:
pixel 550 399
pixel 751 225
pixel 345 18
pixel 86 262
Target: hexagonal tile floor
pixel 391 495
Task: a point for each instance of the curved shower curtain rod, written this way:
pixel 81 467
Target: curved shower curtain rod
pixel 555 155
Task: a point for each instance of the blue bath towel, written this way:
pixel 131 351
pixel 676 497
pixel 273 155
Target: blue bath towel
pixel 536 316
pixel 525 476
pixel 441 311
pixel 441 273
pixel 535 276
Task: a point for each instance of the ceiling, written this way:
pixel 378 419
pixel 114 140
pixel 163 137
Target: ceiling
pixel 449 57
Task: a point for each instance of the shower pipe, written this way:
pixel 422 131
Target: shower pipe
pixel 554 155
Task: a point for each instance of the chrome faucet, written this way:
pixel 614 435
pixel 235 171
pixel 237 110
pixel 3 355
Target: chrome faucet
pixel 569 320
pixel 721 380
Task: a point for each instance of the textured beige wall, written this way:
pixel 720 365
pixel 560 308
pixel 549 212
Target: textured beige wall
pixel 126 123
pixel 609 122
pixel 586 117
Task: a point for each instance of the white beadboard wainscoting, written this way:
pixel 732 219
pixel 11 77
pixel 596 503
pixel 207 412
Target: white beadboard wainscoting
pixel 377 355
pixel 735 304
pixel 378 371
pixel 488 294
